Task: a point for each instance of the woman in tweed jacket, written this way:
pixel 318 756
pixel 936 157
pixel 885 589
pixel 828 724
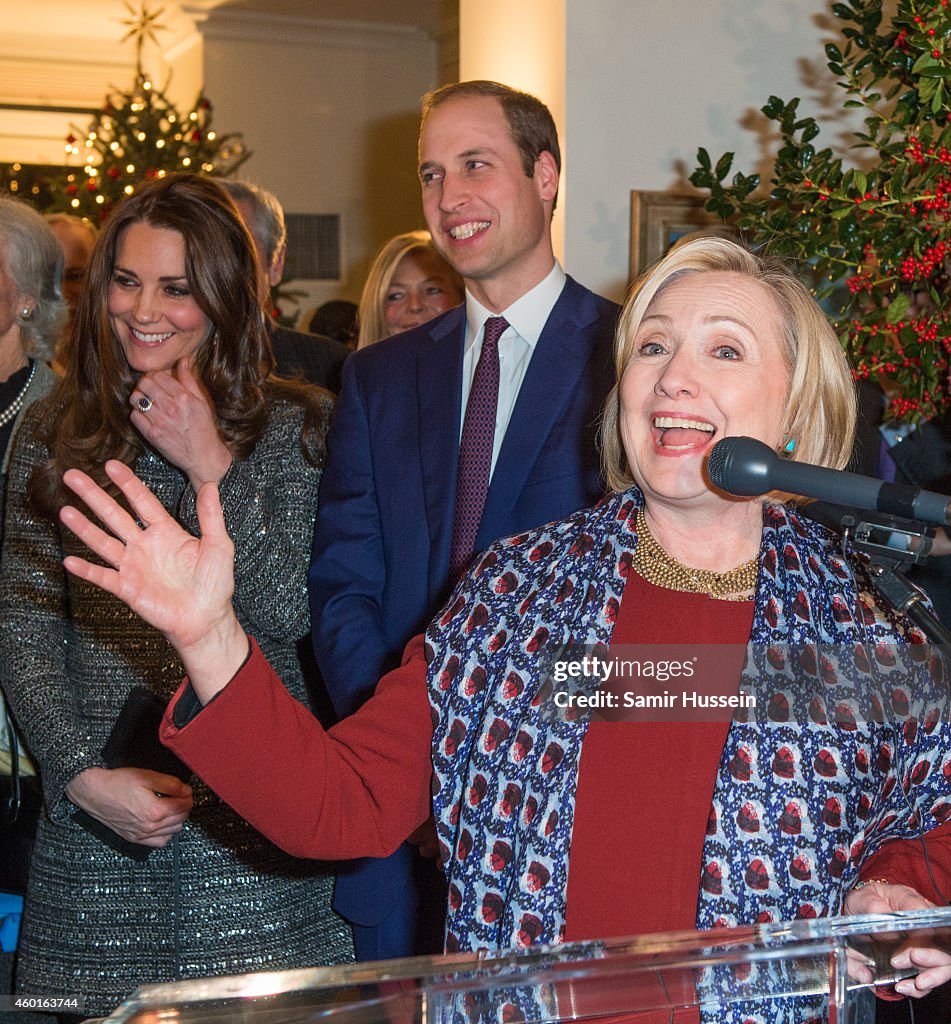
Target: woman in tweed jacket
pixel 167 372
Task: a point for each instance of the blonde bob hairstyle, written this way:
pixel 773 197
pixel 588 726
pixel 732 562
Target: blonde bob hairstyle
pixel 371 322
pixel 821 408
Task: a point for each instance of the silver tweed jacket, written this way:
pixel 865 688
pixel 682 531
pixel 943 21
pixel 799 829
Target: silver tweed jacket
pixel 219 898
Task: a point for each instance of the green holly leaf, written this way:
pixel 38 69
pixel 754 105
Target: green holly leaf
pixel 723 166
pixel 898 308
pixel 833 52
pixel 923 62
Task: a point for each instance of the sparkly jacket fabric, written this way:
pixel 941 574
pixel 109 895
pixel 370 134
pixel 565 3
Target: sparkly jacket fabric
pixel 218 899
pixel 40 386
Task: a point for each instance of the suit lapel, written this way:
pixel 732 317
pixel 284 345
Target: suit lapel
pixel 439 390
pixel 557 363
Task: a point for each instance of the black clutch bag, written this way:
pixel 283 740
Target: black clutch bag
pixel 134 743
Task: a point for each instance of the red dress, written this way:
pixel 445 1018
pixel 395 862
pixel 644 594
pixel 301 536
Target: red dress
pixel 660 777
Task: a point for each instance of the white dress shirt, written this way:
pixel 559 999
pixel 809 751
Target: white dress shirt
pixel 526 319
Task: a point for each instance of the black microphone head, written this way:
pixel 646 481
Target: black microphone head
pixel 741 465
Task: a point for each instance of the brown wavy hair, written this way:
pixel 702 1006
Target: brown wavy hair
pixel 89 409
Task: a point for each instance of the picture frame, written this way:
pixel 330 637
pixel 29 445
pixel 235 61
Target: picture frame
pixel 658 219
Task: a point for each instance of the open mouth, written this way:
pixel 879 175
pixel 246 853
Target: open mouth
pixel 463 231
pixel 681 433
pixel 150 339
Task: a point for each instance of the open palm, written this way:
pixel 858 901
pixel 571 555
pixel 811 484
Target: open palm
pixel 180 584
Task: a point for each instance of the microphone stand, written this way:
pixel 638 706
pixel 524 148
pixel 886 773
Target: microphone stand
pixel 893 545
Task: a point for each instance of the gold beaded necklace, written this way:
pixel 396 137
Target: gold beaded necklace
pixel 653 564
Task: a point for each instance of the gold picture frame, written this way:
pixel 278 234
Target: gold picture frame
pixel 658 219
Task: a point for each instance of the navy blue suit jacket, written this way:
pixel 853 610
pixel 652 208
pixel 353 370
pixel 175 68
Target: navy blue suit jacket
pixel 384 524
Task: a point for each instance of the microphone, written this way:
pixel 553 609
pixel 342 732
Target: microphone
pixel 747 467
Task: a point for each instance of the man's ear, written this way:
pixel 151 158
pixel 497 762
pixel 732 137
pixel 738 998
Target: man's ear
pixel 276 272
pixel 546 172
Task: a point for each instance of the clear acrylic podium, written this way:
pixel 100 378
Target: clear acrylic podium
pixel 717 973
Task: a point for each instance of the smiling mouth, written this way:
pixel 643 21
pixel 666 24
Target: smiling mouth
pixel 150 339
pixel 462 231
pixel 681 433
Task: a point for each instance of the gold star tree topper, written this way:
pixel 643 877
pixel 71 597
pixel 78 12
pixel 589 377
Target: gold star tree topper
pixel 142 26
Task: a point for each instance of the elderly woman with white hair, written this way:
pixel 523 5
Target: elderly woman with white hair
pixel 32 310
pixel 554 824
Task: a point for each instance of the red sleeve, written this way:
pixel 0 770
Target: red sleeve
pixel 357 790
pixel 902 862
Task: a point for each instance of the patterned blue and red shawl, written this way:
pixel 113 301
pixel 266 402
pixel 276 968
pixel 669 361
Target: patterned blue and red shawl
pixel 854 750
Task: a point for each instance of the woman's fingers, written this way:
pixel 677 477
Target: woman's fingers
pixel 104 544
pixel 144 503
pixel 119 523
pixel 98 575
pixel 211 517
pixel 106 508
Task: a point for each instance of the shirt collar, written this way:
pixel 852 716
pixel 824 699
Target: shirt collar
pixel 527 315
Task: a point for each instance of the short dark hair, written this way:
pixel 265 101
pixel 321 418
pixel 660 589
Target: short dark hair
pixel 530 121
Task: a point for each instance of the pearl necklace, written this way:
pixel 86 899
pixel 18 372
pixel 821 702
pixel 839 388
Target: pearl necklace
pixel 653 564
pixel 14 407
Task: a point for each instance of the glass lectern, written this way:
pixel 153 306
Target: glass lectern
pixel 786 972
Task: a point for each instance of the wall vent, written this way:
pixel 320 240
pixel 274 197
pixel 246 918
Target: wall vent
pixel 313 247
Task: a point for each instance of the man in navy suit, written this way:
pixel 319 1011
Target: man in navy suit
pixel 489 168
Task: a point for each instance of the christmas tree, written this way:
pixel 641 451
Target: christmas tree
pixel 137 135
pixel 140 135
pixel 877 234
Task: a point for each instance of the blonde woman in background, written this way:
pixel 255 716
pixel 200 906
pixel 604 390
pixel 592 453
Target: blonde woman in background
pixel 409 283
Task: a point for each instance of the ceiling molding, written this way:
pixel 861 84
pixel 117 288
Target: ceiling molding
pixel 235 25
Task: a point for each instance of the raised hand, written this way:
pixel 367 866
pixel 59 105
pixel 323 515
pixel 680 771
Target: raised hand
pixel 174 413
pixel 180 584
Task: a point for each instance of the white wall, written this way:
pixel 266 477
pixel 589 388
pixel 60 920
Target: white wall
pixel 522 44
pixel 331 112
pixel 650 81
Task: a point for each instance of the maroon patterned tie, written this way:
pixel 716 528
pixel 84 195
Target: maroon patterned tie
pixel 475 451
